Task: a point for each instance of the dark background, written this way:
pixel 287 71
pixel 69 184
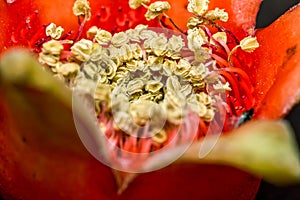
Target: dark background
pixel 269 11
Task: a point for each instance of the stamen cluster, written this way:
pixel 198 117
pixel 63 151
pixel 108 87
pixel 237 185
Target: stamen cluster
pixel 143 77
pixel 153 78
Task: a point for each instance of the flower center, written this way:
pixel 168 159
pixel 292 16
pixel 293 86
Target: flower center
pixel 154 87
pixel 145 82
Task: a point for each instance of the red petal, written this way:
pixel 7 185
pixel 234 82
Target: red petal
pixel 111 15
pixel 21 21
pixel 277 66
pixel 242 14
pixel 3 25
pixel 37 164
pixel 192 181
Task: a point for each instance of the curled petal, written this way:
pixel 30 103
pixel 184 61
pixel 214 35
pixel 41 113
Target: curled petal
pixel 264 148
pixel 277 66
pixel 40 149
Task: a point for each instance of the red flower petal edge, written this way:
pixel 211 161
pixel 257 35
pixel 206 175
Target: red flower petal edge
pixel 277 66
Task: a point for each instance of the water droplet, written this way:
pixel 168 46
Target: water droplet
pixel 10 1
pixel 27 21
pixel 238 107
pixel 14 37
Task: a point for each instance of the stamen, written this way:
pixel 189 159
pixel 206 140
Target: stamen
pixel 221 61
pixel 160 137
pixel 80 30
pixel 152 76
pixel 233 84
pixel 245 84
pixel 175 25
pixel 224 45
pixel 38 39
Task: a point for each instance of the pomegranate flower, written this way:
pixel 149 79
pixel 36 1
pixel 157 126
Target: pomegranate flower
pixel 158 95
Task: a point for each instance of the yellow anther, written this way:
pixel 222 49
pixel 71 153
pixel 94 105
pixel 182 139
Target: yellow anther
pixel 198 7
pixel 157 8
pixel 53 31
pixel 82 8
pixel 134 4
pixel 217 14
pixel 249 44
